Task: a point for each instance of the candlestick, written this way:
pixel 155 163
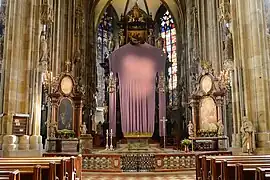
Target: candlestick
pixel 111 146
pixel 107 140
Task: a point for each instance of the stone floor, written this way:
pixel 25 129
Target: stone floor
pixel 140 176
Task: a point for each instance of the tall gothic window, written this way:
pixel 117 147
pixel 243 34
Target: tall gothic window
pixel 3 5
pixel 104 38
pixel 168 33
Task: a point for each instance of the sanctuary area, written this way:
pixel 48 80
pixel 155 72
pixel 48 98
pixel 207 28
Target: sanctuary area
pixel 134 89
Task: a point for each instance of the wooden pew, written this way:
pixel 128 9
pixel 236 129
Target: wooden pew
pixel 77 160
pixel 199 162
pixel 206 169
pixel 73 164
pixel 262 173
pixel 229 168
pixel 10 175
pixel 64 167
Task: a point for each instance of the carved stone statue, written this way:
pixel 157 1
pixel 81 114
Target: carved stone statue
pixel 83 128
pixel 190 129
pixel 111 44
pixel 43 52
pixel 228 44
pixel 220 127
pixel 248 136
pixel 150 37
pixel 159 43
pixel 52 128
pixel 121 37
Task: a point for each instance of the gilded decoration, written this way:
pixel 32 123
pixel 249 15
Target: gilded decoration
pixel 136 26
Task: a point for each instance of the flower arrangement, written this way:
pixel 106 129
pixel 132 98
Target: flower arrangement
pixel 65 133
pixel 186 142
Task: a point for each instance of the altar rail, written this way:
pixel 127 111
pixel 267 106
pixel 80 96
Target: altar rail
pixel 140 162
pixel 146 162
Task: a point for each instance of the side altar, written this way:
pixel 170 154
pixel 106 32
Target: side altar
pixel 206 129
pixel 66 132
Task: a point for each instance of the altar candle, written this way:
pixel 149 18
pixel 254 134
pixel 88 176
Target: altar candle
pixel 111 131
pixel 107 131
pixel 248 146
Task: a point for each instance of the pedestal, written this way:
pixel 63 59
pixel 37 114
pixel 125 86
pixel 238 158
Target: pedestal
pixel 86 143
pixel 62 145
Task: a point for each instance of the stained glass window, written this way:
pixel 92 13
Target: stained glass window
pixel 168 33
pixel 104 35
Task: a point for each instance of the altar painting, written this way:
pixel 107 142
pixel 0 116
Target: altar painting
pixel 65 114
pixel 208 114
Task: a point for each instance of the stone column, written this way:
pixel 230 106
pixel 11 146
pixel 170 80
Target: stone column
pixel 194 106
pixel 219 102
pixel 209 33
pixel 250 41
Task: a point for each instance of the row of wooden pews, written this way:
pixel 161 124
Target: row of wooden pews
pixel 44 168
pixel 233 167
pixel 10 175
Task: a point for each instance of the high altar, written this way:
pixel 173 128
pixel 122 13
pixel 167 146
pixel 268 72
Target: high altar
pixel 137 82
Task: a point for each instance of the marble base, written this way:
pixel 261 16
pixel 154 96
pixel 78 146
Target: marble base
pixel 138 144
pixel 86 143
pixel 62 145
pixel 21 153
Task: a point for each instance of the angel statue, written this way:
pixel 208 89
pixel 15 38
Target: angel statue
pixel 220 127
pixel 83 128
pixel 190 129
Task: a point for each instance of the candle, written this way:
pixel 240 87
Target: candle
pixel 248 146
pixel 107 131
pixel 111 131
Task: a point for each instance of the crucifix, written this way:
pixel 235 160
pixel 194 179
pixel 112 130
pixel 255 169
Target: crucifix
pixel 164 120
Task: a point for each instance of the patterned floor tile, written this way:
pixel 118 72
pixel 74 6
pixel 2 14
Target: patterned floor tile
pixel 142 176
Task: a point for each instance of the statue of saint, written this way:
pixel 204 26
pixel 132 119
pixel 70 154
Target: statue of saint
pixel 83 128
pixel 52 127
pixel 248 136
pixel 43 53
pixel 121 37
pixel 220 127
pixel 190 129
pixel 111 44
pixel 160 43
pixel 150 37
pixel 228 44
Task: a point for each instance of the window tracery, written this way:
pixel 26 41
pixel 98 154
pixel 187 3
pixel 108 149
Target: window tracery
pixel 168 33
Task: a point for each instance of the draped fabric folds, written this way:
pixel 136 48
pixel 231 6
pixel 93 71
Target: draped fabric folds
pixel 136 66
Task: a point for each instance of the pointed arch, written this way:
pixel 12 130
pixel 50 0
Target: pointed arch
pixel 106 31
